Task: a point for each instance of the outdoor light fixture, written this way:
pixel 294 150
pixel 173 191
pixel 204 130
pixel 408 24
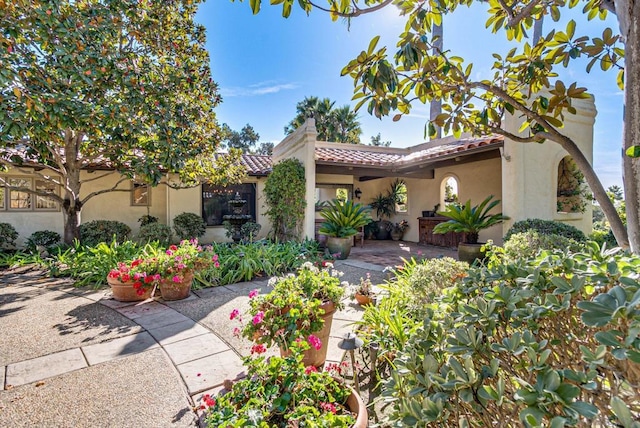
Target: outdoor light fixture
pixel 350 342
pixel 358 193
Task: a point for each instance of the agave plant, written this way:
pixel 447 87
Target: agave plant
pixel 465 218
pixel 343 219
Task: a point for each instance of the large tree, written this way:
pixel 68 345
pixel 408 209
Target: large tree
pixel 245 140
pixel 524 82
pixel 337 124
pixel 118 84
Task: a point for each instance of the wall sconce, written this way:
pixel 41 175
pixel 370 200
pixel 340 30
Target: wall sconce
pixel 350 342
pixel 357 193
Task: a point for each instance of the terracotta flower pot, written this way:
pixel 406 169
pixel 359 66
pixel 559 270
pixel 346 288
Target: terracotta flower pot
pixel 317 357
pixel 170 290
pixel 124 291
pixel 357 406
pixel 363 300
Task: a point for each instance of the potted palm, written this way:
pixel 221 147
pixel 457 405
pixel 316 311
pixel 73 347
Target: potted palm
pixel 385 207
pixel 470 220
pixel 343 219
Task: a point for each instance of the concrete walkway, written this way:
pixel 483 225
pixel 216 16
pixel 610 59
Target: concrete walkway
pixel 75 357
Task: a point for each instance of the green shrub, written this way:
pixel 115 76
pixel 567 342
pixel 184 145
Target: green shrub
pixel 546 227
pixel 604 237
pixel 97 231
pixel 551 341
pixel 528 244
pixel 155 232
pixel 8 236
pixel 44 238
pixel 284 193
pixel 189 226
pixel 147 219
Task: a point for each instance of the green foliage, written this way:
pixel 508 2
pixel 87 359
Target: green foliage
pixel 147 219
pixel 343 218
pixel 282 392
pixel 526 245
pixel 100 231
pixel 385 205
pixel 248 231
pixel 546 227
pixel 43 238
pixel 90 265
pixel 547 341
pixel 471 220
pixel 339 125
pixel 142 99
pixel 284 193
pixel 8 236
pixel 157 232
pixel 244 262
pixel 189 226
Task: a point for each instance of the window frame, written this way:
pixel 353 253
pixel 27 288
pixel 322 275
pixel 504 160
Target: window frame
pixel 251 207
pixel 135 185
pixel 56 205
pixel 33 198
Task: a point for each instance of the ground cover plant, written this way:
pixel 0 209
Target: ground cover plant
pixel 546 341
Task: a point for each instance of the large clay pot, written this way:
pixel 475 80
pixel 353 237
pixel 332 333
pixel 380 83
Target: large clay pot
pixel 170 290
pixel 124 291
pixel 396 235
pixel 317 357
pixel 341 247
pixel 356 405
pixel 470 252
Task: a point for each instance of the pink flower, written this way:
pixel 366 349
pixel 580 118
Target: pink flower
pixel 310 369
pixel 216 264
pixel 176 279
pixel 236 331
pixel 328 407
pixel 257 319
pixel 181 266
pixel 234 314
pixel 314 341
pixel 253 293
pixel 173 248
pixel 169 252
pixel 258 349
pixel 214 258
pixel 157 277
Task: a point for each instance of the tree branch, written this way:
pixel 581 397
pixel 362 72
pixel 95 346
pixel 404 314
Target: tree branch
pixel 98 177
pixel 356 10
pixel 522 14
pixel 113 188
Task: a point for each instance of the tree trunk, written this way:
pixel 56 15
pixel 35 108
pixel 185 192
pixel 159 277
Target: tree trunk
pixel 600 194
pixel 631 126
pixel 435 107
pixel 72 205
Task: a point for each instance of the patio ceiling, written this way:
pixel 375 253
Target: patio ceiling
pixel 370 163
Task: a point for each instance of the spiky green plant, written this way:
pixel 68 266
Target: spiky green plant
pixel 465 218
pixel 343 219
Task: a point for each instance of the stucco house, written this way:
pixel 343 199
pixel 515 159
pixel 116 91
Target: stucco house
pixel 527 178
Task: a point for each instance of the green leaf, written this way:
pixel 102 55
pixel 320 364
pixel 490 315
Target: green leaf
pixel 633 152
pixel 622 412
pixel 255 6
pixel 587 410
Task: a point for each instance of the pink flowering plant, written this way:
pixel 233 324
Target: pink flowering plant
pixel 282 392
pixel 292 310
pixel 172 265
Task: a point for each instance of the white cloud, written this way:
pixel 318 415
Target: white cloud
pixel 261 88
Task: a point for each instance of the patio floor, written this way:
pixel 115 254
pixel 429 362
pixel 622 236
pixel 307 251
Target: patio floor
pixel 391 253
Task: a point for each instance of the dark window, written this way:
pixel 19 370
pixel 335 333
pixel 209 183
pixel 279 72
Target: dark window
pixel 215 201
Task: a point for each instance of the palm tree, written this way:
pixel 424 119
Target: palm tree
pixel 339 125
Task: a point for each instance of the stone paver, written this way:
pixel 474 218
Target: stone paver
pixel 118 348
pixel 142 308
pixel 45 367
pixel 243 288
pixel 115 304
pixel 176 332
pixel 207 293
pixel 341 327
pixel 195 348
pixel 161 319
pixel 208 372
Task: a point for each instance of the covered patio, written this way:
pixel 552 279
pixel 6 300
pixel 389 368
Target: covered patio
pixel 390 253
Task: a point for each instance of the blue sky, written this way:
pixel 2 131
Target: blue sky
pixel 265 64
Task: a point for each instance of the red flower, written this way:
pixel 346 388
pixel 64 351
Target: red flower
pixel 328 407
pixel 136 262
pixel 258 349
pixel 310 369
pixel 137 285
pixel 148 279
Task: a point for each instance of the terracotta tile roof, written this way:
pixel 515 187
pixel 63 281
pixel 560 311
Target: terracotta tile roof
pixel 355 156
pixel 258 165
pixel 367 155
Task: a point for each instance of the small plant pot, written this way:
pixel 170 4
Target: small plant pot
pixel 170 290
pixel 396 235
pixel 470 252
pixel 317 357
pixel 357 406
pixel 340 246
pixel 363 300
pixel 124 291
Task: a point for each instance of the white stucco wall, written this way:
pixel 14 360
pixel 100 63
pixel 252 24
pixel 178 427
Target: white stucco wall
pixel 530 171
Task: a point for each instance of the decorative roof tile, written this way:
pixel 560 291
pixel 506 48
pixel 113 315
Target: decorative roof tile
pixel 355 156
pixel 259 165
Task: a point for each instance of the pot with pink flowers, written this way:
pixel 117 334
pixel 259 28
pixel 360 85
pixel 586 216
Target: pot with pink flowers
pixel 300 307
pixel 169 272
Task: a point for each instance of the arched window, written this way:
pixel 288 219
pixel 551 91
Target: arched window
pixel 449 191
pixel 570 191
